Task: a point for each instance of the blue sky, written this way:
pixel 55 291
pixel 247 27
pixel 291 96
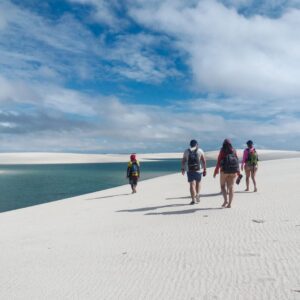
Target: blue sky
pixel 134 75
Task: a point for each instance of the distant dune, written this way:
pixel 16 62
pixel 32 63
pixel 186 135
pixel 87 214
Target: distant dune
pixel 60 158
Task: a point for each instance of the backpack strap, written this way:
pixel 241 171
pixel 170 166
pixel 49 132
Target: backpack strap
pixel 248 154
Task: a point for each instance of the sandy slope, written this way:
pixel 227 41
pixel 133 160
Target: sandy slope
pixel 152 245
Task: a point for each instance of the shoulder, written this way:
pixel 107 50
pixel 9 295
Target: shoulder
pixel 186 152
pixel 200 152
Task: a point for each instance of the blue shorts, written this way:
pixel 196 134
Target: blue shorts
pixel 192 175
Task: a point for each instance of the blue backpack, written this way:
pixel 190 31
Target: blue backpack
pixel 134 169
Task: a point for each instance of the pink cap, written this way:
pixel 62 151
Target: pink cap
pixel 132 157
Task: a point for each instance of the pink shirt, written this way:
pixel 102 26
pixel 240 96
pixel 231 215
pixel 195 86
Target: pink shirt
pixel 246 153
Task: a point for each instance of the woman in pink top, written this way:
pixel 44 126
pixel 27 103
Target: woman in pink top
pixel 249 162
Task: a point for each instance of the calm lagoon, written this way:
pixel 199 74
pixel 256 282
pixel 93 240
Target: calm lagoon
pixel 27 185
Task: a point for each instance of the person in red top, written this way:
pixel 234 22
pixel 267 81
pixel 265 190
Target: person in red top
pixel 133 172
pixel 228 163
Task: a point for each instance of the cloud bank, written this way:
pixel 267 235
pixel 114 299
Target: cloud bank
pixel 65 86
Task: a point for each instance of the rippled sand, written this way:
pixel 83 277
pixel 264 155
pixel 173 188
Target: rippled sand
pixel 153 245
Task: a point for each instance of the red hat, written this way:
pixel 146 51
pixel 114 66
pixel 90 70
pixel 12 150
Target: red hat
pixel 132 157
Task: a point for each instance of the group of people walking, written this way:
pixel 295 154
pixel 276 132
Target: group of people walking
pixel 227 165
pixel 193 164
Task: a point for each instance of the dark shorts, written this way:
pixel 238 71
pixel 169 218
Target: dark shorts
pixel 133 180
pixel 194 176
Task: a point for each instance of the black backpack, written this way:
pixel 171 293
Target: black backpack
pixel 230 163
pixel 193 161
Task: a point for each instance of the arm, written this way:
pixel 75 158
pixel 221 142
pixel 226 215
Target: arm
pixel 217 168
pixel 128 172
pixel 203 162
pixel 245 156
pixel 183 161
pixel 238 172
pixel 139 170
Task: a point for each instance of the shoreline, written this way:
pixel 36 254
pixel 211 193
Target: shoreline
pixel 71 158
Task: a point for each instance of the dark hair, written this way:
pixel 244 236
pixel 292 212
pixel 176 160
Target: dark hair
pixel 227 147
pixel 249 143
pixel 193 143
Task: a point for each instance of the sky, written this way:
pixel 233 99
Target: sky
pixel 112 76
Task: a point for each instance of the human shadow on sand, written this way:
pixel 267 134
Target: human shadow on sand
pixel 201 195
pixel 109 196
pixel 182 212
pixel 150 208
pixel 176 198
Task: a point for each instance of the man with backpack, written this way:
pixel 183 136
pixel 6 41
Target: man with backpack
pixel 250 161
pixel 133 172
pixel 228 163
pixel 194 158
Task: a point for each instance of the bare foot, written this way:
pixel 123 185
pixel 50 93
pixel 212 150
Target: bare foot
pixel 246 190
pixel 224 204
pixel 228 206
pixel 255 190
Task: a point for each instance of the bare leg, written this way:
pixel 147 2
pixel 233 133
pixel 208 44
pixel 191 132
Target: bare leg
pixel 193 190
pixel 247 180
pixel 253 173
pixel 133 184
pixel 224 193
pixel 198 186
pixel 230 196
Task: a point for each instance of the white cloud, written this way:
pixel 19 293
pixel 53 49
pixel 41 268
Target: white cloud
pixel 3 20
pixel 137 59
pixel 105 11
pixel 273 8
pixel 59 119
pixel 230 53
pixel 45 97
pixel 65 49
pixel 253 62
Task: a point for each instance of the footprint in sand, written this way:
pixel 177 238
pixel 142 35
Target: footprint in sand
pixel 258 221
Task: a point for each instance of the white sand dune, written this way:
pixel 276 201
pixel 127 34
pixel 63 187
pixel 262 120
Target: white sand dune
pixel 72 158
pixel 153 245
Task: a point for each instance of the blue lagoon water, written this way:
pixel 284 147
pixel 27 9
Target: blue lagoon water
pixel 27 185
